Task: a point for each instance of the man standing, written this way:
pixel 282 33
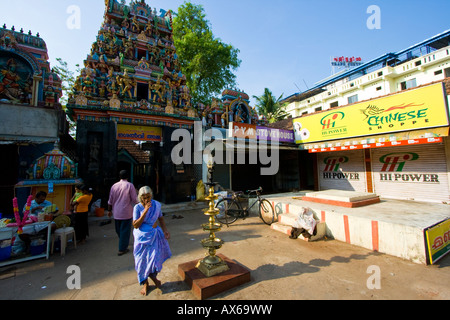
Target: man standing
pixel 122 199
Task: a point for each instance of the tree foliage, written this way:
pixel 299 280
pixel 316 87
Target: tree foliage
pixel 270 106
pixel 207 62
pixel 67 82
pixel 67 78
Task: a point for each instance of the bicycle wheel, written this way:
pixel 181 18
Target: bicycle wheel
pixel 229 211
pixel 266 212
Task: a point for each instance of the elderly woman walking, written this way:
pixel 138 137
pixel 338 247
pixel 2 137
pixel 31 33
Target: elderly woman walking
pixel 151 247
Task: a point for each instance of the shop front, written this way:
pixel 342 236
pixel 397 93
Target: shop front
pixel 396 146
pixel 262 157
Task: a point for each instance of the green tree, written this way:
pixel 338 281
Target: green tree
pixel 67 78
pixel 67 82
pixel 271 107
pixel 207 62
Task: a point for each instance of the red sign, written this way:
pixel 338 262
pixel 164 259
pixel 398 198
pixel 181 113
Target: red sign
pixel 378 145
pixel 346 61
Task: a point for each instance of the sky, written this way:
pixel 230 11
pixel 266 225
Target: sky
pixel 285 45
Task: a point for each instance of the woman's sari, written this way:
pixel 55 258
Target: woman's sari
pixel 151 248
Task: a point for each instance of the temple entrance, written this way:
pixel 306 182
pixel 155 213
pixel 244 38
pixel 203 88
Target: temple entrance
pixel 123 165
pixel 152 175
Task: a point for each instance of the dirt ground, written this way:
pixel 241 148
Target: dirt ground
pixel 281 268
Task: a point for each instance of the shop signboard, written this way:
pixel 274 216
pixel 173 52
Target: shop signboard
pixel 438 240
pixel 251 131
pixel 346 61
pixel 139 133
pixel 395 143
pixel 420 108
pixel 265 133
pixel 242 130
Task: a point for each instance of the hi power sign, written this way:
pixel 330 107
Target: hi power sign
pixel 420 108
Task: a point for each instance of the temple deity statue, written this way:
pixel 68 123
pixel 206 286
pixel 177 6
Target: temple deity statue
pixel 129 48
pixel 149 28
pixel 135 25
pixel 51 96
pixel 126 84
pixel 113 88
pixel 159 90
pixel 10 81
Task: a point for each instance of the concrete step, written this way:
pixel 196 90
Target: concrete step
pixel 277 226
pixel 287 220
pixel 286 229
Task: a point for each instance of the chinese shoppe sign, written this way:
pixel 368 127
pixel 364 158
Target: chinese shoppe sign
pixel 412 110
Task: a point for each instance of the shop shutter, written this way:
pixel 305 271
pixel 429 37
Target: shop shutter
pixel 342 171
pixel 411 173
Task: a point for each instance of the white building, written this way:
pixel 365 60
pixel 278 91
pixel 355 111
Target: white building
pixel 381 127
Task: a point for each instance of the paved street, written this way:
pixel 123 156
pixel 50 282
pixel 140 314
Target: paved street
pixel 281 268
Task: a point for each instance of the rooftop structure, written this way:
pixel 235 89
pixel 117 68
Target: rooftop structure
pixel 390 67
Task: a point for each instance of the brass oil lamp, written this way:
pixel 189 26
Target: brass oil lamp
pixel 212 264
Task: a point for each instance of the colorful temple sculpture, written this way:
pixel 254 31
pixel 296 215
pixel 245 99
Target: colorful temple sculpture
pixel 237 108
pixel 133 69
pixel 31 117
pixel 25 74
pixel 132 73
pixel 132 88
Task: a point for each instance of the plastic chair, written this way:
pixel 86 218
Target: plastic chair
pixel 64 234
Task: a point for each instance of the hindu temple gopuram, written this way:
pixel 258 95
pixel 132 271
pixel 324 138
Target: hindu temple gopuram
pixel 133 68
pixel 132 88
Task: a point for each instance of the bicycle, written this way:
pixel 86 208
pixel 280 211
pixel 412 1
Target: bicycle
pixel 231 209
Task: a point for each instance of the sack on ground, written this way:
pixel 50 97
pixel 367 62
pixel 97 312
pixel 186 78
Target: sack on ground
pixel 200 191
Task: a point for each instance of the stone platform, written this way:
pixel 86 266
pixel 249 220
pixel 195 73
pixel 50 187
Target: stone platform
pixel 342 198
pixel 203 287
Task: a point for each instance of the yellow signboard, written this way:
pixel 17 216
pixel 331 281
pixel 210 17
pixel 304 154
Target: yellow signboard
pixel 138 133
pixel 438 240
pixel 411 110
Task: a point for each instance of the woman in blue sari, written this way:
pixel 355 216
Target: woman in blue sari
pixel 151 248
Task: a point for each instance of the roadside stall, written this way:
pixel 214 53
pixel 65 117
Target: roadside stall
pixel 27 236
